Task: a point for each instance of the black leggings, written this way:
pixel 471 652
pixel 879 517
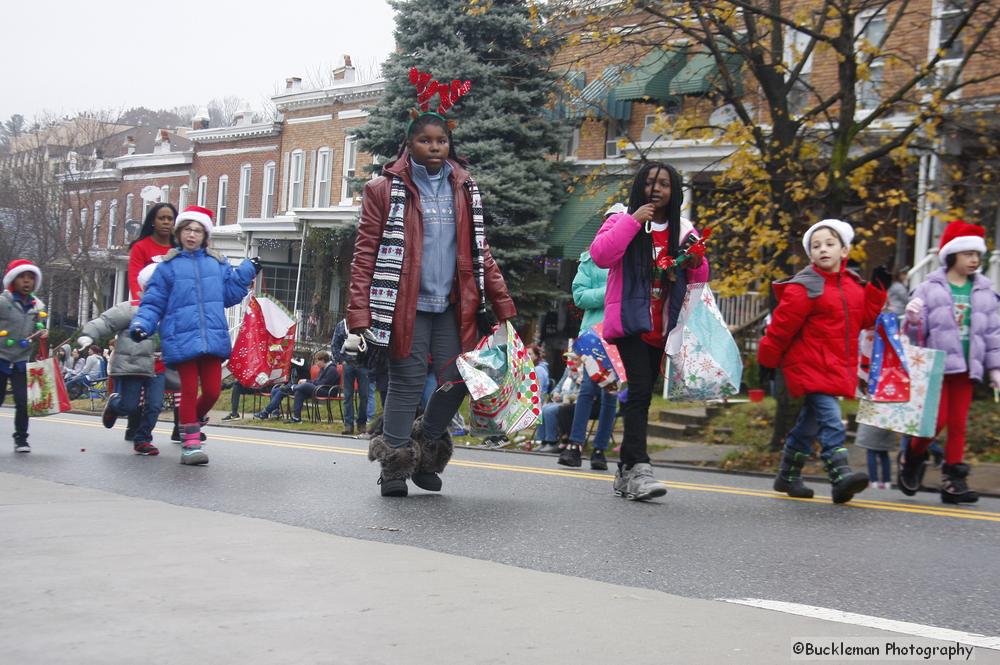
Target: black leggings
pixel 19 386
pixel 642 365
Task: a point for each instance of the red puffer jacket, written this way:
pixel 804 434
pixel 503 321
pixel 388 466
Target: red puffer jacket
pixel 464 293
pixel 813 334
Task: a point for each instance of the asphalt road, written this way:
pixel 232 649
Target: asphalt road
pixel 713 536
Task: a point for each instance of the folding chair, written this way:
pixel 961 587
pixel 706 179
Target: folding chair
pixel 327 395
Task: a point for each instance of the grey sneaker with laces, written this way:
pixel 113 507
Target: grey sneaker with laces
pixel 638 483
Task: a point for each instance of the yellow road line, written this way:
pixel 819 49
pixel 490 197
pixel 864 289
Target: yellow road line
pixel 960 513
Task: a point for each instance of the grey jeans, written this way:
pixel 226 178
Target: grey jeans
pixel 434 335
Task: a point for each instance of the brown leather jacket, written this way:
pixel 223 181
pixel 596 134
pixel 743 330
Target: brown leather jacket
pixel 464 292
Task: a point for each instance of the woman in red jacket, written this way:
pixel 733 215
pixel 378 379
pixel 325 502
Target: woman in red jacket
pixel 421 275
pixel 813 337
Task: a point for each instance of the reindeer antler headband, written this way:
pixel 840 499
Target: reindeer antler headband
pixel 427 87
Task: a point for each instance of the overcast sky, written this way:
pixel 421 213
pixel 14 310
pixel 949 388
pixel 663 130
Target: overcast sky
pixel 66 56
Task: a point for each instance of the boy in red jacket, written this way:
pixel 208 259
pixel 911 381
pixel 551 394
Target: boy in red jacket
pixel 813 337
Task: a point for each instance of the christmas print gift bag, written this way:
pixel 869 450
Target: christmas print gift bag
pixel 46 390
pixel 888 374
pixel 918 416
pixel 591 344
pixel 501 383
pixel 263 349
pixel 703 359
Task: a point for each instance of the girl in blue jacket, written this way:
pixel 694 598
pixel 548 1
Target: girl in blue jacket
pixel 187 298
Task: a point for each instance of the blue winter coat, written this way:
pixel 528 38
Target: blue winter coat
pixel 187 297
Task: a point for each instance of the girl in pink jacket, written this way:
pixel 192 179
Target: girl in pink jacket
pixel 642 302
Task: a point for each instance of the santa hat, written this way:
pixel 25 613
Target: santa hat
pixel 961 236
pixel 18 266
pixel 843 230
pixel 145 275
pixel 196 214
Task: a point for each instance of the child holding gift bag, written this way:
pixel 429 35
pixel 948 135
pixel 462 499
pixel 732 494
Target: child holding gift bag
pixel 813 338
pixel 643 298
pixel 21 317
pixel 187 298
pixel 421 275
pixel 956 309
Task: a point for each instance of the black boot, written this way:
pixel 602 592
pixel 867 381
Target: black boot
pixel 789 478
pixel 846 483
pixel 954 488
pixel 570 455
pixel 434 457
pixel 176 434
pixel 911 471
pixel 398 464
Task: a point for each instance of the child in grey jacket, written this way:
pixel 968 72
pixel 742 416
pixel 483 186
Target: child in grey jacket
pixel 139 387
pixel 22 317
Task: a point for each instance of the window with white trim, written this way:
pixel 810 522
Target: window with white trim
pixel 69 223
pixel 165 194
pixel 182 197
pixel 98 213
pixel 267 197
pixel 350 168
pixel 324 167
pixel 84 218
pixel 796 43
pixel 203 190
pixel 947 16
pixel 220 210
pixel 145 208
pixel 297 171
pixel 870 30
pixel 130 207
pixel 244 209
pixel 614 136
pixel 113 223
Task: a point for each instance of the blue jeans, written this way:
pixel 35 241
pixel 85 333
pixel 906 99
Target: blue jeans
pixel 548 430
pixel 818 419
pixel 874 458
pixel 126 401
pixel 581 416
pixel 362 375
pixel 277 394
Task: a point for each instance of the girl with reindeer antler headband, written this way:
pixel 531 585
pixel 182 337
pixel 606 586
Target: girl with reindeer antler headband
pixel 420 279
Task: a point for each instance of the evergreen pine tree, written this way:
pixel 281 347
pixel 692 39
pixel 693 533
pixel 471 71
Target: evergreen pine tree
pixel 502 128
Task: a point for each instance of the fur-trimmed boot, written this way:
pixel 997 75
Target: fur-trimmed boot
pixel 434 457
pixel 398 464
pixel 789 478
pixel 192 451
pixel 845 483
pixel 954 487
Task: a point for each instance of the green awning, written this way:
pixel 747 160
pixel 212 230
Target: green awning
pixel 700 75
pixel 575 225
pixel 650 79
pixel 569 87
pixel 598 98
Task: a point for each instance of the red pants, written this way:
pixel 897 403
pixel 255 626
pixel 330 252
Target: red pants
pixel 207 370
pixel 953 412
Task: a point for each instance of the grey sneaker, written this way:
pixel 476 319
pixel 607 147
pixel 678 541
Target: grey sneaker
pixel 621 480
pixel 21 447
pixel 641 485
pixel 193 456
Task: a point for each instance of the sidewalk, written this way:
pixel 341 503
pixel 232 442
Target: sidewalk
pixel 91 577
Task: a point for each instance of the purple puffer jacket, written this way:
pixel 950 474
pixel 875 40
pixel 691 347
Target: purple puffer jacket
pixel 938 319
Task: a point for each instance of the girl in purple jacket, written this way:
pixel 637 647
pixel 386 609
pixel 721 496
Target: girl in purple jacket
pixel 956 308
pixel 642 302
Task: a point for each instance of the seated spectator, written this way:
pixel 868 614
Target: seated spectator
pixel 91 370
pixel 541 369
pixel 298 372
pixel 326 384
pixel 557 415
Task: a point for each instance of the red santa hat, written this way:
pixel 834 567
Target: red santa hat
pixel 196 214
pixel 18 266
pixel 843 230
pixel 961 236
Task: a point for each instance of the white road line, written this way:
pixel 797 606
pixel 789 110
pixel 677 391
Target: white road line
pixel 905 627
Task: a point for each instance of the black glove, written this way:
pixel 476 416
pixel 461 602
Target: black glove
pixel 137 334
pixel 882 278
pixel 256 265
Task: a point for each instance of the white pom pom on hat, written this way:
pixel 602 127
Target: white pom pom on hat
pixel 145 275
pixel 843 230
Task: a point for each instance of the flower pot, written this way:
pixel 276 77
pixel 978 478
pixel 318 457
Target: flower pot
pixel 756 394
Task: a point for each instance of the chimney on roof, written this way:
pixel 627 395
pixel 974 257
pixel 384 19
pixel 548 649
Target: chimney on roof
pixel 129 145
pixel 293 84
pixel 345 72
pixel 200 119
pixel 243 115
pixel 162 142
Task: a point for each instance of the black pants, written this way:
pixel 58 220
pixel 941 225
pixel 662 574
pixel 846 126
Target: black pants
pixel 19 385
pixel 642 365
